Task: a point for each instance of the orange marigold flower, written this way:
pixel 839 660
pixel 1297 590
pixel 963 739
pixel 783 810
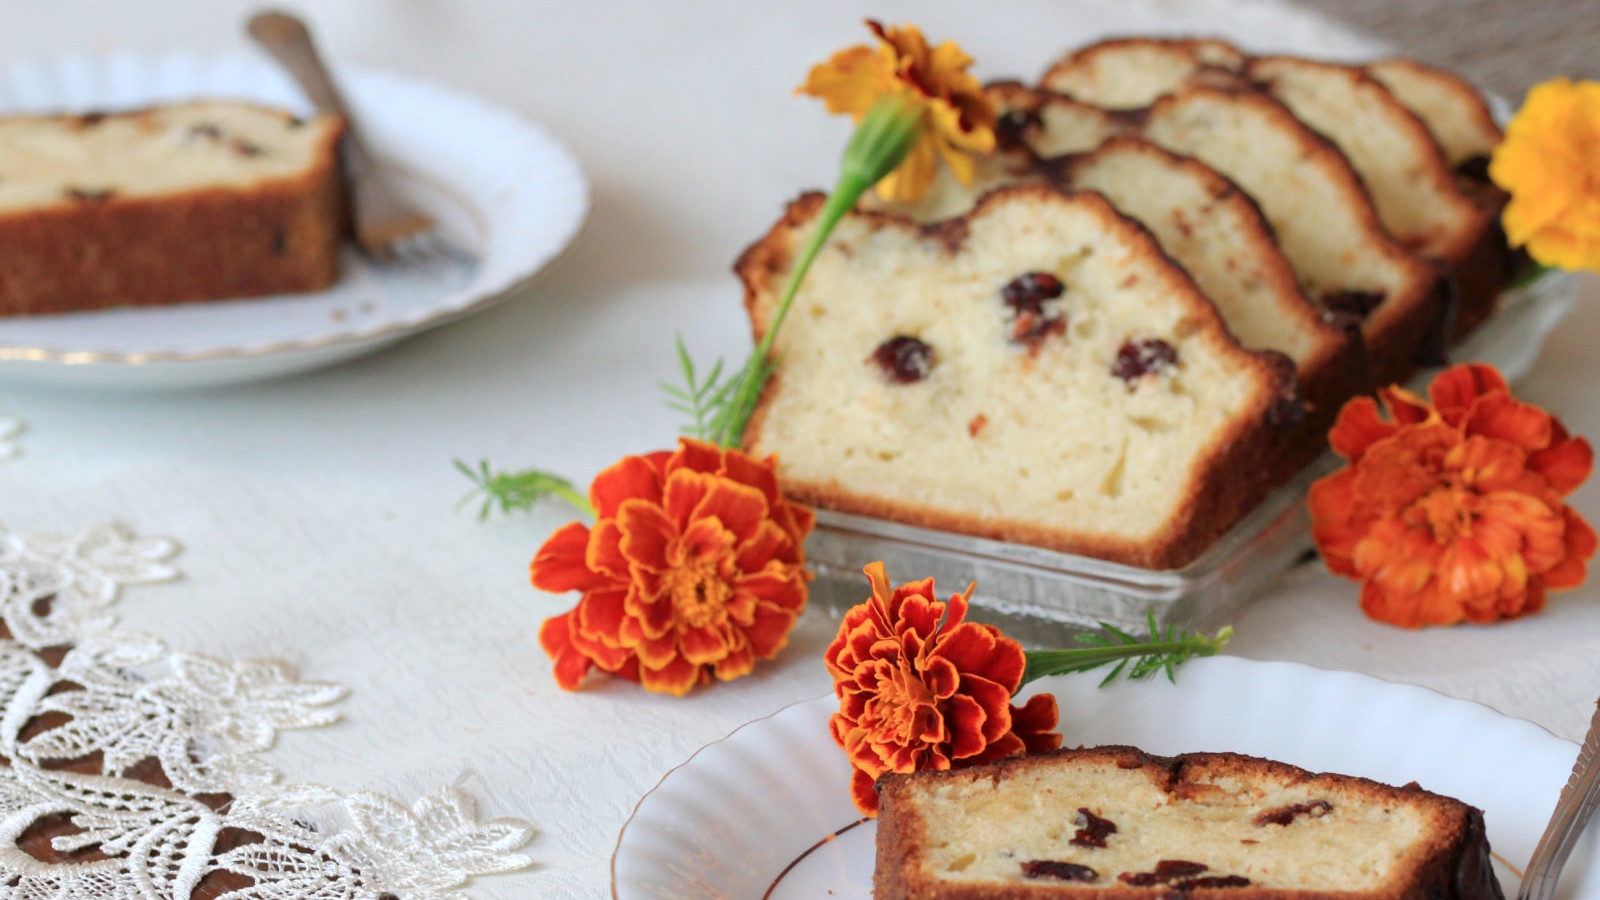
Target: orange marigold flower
pixel 1547 163
pixel 695 568
pixel 1453 510
pixel 957 118
pixel 921 688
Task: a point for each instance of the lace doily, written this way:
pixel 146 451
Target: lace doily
pixel 132 772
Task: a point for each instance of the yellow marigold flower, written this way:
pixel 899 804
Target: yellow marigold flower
pixel 1550 164
pixel 955 117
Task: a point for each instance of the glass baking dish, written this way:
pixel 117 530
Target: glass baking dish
pixel 1043 597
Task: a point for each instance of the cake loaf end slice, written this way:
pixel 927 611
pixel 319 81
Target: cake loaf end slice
pixel 1115 823
pixel 205 200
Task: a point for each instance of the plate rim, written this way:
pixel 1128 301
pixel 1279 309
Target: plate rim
pixel 1479 707
pixel 567 228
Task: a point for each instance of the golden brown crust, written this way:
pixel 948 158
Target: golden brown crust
pixel 1230 476
pixel 1450 863
pixel 1204 52
pixel 1487 269
pixel 277 236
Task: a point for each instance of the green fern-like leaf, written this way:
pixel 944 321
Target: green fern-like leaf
pixel 516 491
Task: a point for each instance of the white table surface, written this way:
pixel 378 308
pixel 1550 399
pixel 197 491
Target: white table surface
pixel 316 511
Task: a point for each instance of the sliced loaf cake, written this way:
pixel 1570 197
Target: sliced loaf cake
pixel 1322 216
pixel 1035 371
pixel 1391 143
pixel 1114 823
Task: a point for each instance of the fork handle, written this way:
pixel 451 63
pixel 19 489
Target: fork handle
pixel 380 215
pixel 289 41
pixel 1576 806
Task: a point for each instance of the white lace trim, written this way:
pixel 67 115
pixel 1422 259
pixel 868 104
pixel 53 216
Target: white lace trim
pixel 10 428
pixel 131 699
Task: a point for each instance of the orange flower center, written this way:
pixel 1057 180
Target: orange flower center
pixel 699 593
pixel 903 706
pixel 1448 511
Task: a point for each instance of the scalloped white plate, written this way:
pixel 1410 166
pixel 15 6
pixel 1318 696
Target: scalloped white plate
pixel 500 185
pixel 742 818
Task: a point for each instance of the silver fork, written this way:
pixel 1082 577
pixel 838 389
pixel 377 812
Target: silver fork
pixel 1574 809
pixel 387 228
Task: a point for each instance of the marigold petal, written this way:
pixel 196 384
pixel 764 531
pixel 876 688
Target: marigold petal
pixel 1580 541
pixel 599 614
pixel 703 645
pixel 913 608
pixel 775 587
pixel 740 508
pixel 996 701
pixel 630 478
pixel 864 793
pixel 850 81
pixel 1007 745
pixel 570 664
pixel 769 629
pixel 760 547
pixel 558 566
pixel 677 677
pixel 1499 416
pixel 1455 389
pixel 657 652
pixel 1466 570
pixel 1035 723
pixel 736 663
pixel 761 474
pixel 1566 463
pixel 1357 428
pixel 968 722
pixel 695 454
pixel 643 536
pixel 604 554
pixel 983 650
pixel 1404 407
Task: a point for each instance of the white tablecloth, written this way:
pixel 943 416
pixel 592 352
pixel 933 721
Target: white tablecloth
pixel 316 512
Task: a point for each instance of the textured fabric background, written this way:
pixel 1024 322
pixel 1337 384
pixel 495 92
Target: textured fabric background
pixel 1505 45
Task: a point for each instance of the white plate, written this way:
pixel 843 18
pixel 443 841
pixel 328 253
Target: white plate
pixel 500 185
pixel 727 823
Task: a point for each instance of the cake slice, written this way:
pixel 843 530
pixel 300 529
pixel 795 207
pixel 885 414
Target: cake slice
pixel 1318 208
pixel 1456 114
pixel 1389 142
pixel 1218 235
pixel 1114 823
pixel 196 201
pixel 1035 371
pixel 1209 227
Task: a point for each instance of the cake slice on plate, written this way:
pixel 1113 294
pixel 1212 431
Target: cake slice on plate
pixel 1114 823
pixel 196 201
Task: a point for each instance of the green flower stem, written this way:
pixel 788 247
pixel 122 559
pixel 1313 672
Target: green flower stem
pixel 880 143
pixel 1139 658
pixel 512 491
